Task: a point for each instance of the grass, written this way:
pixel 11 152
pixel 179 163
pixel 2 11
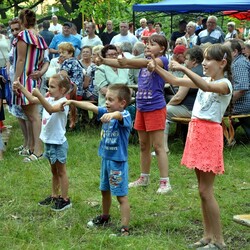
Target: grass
pixel 157 222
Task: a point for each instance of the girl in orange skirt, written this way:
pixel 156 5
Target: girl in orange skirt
pixel 204 145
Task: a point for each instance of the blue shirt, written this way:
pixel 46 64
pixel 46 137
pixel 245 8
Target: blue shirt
pixel 114 137
pixel 61 38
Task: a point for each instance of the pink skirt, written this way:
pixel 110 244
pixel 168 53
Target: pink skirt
pixel 204 147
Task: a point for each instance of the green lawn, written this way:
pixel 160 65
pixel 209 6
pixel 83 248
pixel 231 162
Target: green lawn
pixel 157 221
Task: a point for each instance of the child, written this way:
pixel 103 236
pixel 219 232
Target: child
pixel 151 110
pixel 54 120
pixel 113 150
pixel 204 146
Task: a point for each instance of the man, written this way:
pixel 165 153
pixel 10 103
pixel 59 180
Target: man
pixel 55 27
pixel 232 33
pixel 211 34
pixel 241 84
pixel 190 38
pixel 146 33
pixel 176 34
pixel 45 33
pixel 66 36
pixel 138 32
pixel 199 25
pixel 91 39
pixel 124 35
pixel 107 36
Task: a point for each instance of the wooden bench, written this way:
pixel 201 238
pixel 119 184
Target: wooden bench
pixel 228 129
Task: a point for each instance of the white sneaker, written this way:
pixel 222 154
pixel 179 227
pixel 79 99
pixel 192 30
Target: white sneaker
pixel 153 153
pixel 164 188
pixel 143 181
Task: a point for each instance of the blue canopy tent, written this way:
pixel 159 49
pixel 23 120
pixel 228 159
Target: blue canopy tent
pixel 192 6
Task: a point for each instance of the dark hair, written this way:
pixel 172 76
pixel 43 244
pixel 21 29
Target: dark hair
pixel 106 48
pixel 123 92
pixel 150 22
pixel 234 44
pixel 158 24
pixel 195 53
pixel 219 52
pixel 46 24
pixel 161 40
pixel 87 47
pixel 28 18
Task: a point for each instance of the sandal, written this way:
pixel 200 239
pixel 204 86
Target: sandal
pixel 213 246
pixel 32 157
pixel 200 243
pixel 25 152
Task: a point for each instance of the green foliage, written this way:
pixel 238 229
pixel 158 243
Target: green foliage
pixel 162 222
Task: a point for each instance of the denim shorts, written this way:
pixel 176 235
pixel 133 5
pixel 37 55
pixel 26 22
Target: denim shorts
pixel 114 177
pixel 55 152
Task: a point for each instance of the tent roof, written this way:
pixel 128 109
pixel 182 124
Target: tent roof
pixel 181 6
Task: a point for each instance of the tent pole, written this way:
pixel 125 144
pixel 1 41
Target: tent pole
pixel 134 21
pixel 171 23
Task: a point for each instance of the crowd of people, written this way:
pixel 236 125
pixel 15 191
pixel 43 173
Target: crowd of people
pixel 71 73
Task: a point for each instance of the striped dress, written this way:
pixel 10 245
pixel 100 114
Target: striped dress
pixel 36 47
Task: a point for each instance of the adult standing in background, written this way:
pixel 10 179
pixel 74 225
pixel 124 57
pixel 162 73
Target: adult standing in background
pixel 241 84
pixel 211 34
pixel 107 36
pixel 232 33
pixel 146 33
pixel 45 33
pixel 124 35
pixel 179 33
pixel 158 30
pixel 55 27
pixel 29 50
pixel 190 37
pixel 91 39
pixel 198 25
pixel 66 36
pixel 138 32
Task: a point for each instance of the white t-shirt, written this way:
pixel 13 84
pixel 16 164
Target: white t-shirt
pixel 57 27
pixel 54 125
pixel 121 39
pixel 86 41
pixel 211 106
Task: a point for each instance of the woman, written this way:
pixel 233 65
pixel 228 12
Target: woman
pixel 30 65
pixel 4 50
pixel 106 75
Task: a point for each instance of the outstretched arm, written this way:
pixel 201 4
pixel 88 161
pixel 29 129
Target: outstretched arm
pixel 17 86
pixel 107 117
pixel 82 105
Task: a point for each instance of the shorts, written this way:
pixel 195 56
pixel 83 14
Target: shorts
pixel 114 177
pixel 55 152
pixel 151 120
pixel 204 147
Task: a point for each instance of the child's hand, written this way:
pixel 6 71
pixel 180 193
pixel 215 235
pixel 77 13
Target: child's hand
pixel 121 59
pixel 99 59
pixel 68 102
pixel 175 66
pixel 106 117
pixel 36 92
pixel 16 86
pixel 152 64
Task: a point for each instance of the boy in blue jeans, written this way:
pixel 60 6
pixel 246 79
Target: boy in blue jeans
pixel 114 152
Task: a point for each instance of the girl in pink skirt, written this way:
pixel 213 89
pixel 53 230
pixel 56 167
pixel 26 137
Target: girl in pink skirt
pixel 204 145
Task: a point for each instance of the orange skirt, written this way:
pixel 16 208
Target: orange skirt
pixel 204 147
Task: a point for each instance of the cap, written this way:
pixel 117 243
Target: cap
pixel 179 49
pixel 69 24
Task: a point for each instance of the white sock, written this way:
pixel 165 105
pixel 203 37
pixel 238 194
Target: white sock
pixel 145 175
pixel 165 179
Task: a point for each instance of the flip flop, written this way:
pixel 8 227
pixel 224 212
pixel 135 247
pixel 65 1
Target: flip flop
pixel 32 157
pixel 200 243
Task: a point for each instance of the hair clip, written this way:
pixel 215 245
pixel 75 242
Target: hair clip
pixel 225 55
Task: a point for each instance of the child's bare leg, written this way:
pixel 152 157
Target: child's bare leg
pixel 157 138
pixel 106 202
pixel 63 179
pixel 55 181
pixel 210 208
pixel 125 210
pixel 145 151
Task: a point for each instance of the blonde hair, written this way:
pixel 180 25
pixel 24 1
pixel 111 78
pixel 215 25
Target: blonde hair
pixel 65 46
